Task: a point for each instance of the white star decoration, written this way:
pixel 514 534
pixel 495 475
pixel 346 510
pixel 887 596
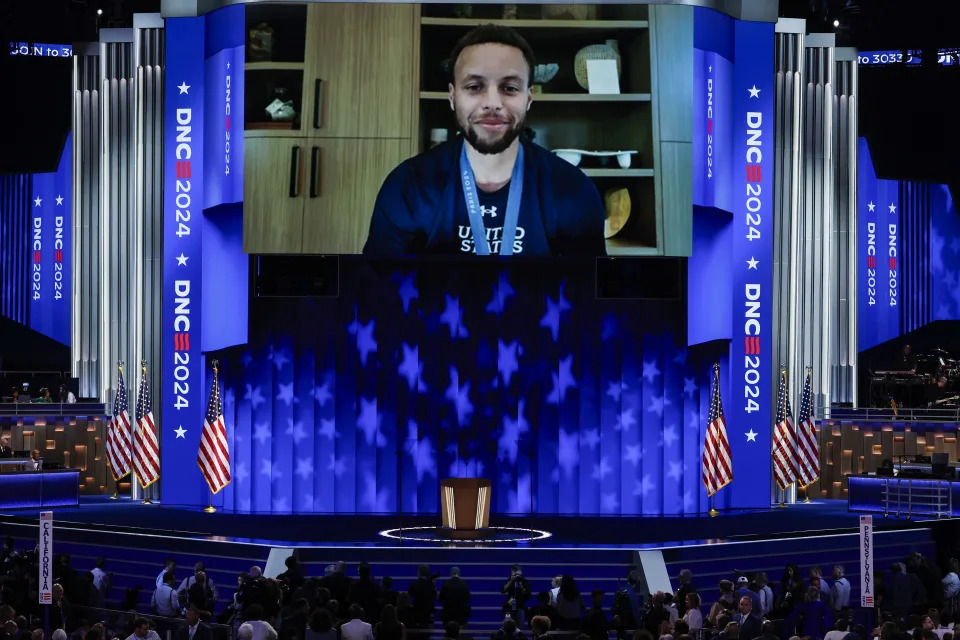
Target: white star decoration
pixel 752 263
pixel 59 200
pixel 184 88
pixel 871 207
pixel 893 208
pixel 754 92
pixel 181 260
pixel 37 201
pixel 181 432
pixel 751 435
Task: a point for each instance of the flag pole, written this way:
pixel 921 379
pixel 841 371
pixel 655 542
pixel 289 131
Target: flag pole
pixel 210 508
pixel 713 511
pixel 143 376
pixel 116 481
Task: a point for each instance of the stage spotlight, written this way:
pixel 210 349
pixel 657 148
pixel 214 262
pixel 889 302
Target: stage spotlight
pixel 99 12
pixel 836 23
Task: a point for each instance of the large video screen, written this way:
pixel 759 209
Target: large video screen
pixel 394 130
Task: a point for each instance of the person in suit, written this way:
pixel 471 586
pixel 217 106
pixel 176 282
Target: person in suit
pixel 424 595
pixel 455 599
pixel 356 628
pixel 5 450
pixel 751 625
pixel 194 629
pixel 36 462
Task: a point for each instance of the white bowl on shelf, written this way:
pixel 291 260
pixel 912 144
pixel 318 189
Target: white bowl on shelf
pixel 574 156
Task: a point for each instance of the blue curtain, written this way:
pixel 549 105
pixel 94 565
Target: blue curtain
pixel 15 246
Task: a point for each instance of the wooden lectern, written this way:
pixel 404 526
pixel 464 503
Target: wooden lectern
pixel 465 505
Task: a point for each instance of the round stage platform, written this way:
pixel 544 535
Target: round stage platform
pixel 498 534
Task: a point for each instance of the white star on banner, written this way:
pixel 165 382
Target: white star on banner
pixel 893 208
pixel 59 200
pixel 184 88
pixel 181 432
pixel 751 435
pixel 754 92
pixel 37 201
pixel 181 260
pixel 752 263
pixel 871 207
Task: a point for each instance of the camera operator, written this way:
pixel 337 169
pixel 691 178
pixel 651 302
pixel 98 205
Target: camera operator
pixel 518 592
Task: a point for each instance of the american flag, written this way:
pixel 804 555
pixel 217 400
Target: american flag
pixel 717 467
pixel 214 454
pixel 808 449
pixel 146 449
pixel 784 449
pixel 118 434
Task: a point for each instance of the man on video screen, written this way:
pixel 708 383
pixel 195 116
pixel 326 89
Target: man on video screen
pixel 491 182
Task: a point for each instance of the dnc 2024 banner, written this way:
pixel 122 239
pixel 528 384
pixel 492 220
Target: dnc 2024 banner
pixel 50 250
pixel 733 192
pixel 203 173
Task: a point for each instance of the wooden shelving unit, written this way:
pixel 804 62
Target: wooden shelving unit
pixel 566 115
pixel 562 97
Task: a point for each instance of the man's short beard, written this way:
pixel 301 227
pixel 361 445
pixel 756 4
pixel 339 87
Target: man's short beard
pixel 497 146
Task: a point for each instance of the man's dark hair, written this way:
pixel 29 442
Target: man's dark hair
pixel 452 630
pixel 139 622
pixel 769 628
pixel 492 34
pixel 356 611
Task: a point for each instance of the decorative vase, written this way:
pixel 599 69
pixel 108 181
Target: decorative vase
pixel 608 51
pixel 260 45
pixel 617 204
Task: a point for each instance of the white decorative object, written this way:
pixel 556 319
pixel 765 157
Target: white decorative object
pixel 608 51
pixel 573 156
pixel 603 77
pixel 280 110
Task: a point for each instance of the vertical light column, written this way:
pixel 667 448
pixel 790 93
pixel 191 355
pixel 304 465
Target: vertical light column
pixel 843 352
pixel 85 340
pixel 117 238
pixel 148 50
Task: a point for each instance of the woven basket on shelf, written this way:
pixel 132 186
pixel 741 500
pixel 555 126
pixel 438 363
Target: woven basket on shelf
pixel 608 51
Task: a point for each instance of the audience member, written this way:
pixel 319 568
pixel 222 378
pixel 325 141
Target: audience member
pixel 570 606
pixel 811 618
pixel 509 631
pixel 686 587
pixel 321 626
pixel 194 629
pixel 141 631
pixel 169 565
pixel 366 593
pixel 261 629
pixel 693 617
pixel 540 626
pixel 102 580
pixel 839 590
pixel 765 593
pixel 389 627
pixel 165 601
pixel 454 599
pixel 749 622
pixel 356 628
pixel 596 625
pixel 423 592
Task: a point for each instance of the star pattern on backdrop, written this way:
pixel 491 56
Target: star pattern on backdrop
pixel 520 386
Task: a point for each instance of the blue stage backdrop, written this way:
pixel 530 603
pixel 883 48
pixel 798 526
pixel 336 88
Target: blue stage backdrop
pixel 35 248
pixel 569 404
pixel 731 267
pixel 51 249
pixel 909 255
pixel 16 200
pixel 205 271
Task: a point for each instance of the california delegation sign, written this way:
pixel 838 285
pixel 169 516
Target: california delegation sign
pixel 45 559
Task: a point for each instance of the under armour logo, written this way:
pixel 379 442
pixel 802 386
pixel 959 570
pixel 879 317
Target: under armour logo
pixel 488 211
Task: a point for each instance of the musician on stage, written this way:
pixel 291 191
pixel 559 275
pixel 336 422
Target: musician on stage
pixel 943 395
pixel 907 361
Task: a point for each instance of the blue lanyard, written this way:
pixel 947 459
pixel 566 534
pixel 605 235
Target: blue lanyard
pixel 512 215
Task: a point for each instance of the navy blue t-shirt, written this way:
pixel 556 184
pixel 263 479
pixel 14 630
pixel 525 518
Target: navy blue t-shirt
pixel 530 238
pixel 421 208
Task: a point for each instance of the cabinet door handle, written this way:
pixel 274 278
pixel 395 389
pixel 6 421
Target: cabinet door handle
pixel 295 172
pixel 315 172
pixel 318 103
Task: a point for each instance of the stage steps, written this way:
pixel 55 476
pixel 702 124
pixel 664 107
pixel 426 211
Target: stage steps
pixel 136 558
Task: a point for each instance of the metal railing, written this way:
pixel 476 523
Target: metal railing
pixel 119 623
pixel 79 409
pixel 889 414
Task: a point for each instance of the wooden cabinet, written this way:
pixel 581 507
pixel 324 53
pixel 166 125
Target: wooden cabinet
pixel 273 194
pixel 361 70
pixel 343 189
pixel 350 71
